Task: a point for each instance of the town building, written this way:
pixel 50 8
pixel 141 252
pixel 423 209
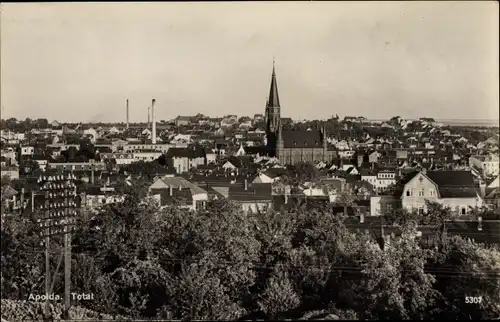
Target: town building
pixel 290 146
pixel 452 189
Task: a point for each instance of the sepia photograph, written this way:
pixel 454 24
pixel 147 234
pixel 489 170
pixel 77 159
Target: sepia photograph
pixel 244 161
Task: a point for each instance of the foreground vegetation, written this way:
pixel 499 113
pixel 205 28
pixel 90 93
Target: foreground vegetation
pixel 143 262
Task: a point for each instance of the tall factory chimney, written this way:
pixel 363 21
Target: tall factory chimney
pixel 149 114
pixel 127 113
pixel 153 131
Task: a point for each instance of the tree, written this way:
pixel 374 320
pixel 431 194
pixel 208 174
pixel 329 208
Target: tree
pixel 4 182
pixel 436 214
pixel 279 296
pixel 200 295
pixel 86 149
pixel 42 123
pixel 400 217
pixel 345 199
pixel 465 268
pixel 395 285
pixel 22 270
pixel 304 171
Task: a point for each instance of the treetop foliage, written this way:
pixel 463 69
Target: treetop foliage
pixel 144 262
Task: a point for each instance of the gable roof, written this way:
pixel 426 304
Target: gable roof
pixel 451 184
pixel 454 184
pixel 177 182
pixel 275 172
pixel 452 178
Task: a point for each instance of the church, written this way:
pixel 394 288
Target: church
pixel 290 146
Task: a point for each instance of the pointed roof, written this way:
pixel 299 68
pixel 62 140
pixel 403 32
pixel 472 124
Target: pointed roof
pixel 274 100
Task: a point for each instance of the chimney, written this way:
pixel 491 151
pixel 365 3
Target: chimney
pixel 153 131
pixel 246 184
pixel 360 160
pixel 171 190
pixel 33 201
pixel 22 199
pixel 127 113
pixel 480 223
pixel 149 114
pixel 424 170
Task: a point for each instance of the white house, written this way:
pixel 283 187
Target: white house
pixel 489 164
pixel 146 156
pixel 270 175
pixel 346 153
pixel 211 157
pixel 229 166
pixel 385 178
pixel 27 150
pixel 453 189
pixel 381 180
pixel 121 158
pixel 241 151
pixel 92 134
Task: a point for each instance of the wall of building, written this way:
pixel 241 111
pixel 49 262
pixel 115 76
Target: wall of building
pixel 298 155
pixel 419 191
pixel 380 205
pixel 461 205
pixel 12 173
pixel 157 147
pixel 248 207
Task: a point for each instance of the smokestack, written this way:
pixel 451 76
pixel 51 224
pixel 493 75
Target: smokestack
pixel 153 132
pixel 127 113
pixel 22 200
pixel 149 113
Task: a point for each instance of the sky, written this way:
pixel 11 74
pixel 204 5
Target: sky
pixel 81 61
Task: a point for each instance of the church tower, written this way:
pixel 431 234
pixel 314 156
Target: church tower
pixel 273 114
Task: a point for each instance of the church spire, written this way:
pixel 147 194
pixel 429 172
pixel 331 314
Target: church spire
pixel 274 100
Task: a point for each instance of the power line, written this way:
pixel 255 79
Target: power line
pixel 442 270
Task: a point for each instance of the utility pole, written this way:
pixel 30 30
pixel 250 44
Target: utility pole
pixel 56 216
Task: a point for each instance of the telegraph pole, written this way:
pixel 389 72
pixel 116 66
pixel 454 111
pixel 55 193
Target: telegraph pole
pixel 56 216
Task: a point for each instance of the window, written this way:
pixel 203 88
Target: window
pixel 408 193
pixel 421 193
pixel 463 211
pixel 420 211
pixel 431 192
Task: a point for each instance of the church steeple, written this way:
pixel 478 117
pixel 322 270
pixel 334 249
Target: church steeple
pixel 274 100
pixel 273 115
pixel 273 110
